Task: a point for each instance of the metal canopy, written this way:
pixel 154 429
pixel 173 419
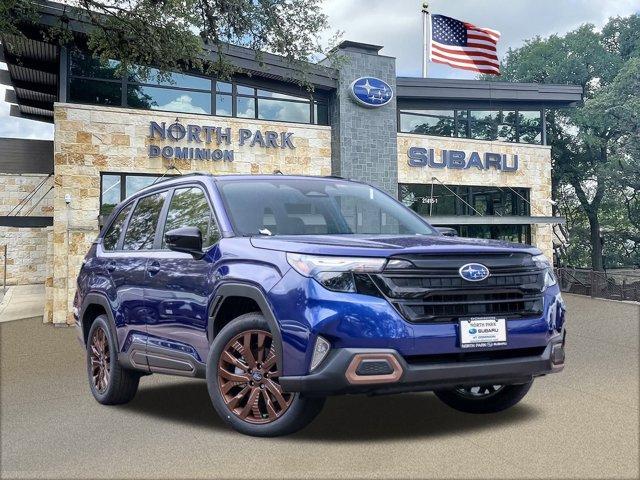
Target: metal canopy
pixel 33 74
pixel 469 93
pixel 492 220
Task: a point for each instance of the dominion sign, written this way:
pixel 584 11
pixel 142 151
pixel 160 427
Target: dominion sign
pixel 200 136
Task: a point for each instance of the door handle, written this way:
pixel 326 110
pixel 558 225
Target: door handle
pixel 153 268
pixel 111 266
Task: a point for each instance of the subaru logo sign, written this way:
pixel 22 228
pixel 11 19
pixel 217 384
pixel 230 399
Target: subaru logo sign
pixel 474 272
pixel 371 92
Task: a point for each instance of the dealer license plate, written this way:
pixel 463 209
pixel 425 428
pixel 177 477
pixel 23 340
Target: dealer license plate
pixel 481 332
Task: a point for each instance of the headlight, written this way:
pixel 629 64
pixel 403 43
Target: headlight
pixel 549 277
pixel 334 273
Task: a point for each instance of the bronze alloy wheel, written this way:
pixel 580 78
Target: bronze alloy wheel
pixel 248 378
pixel 100 358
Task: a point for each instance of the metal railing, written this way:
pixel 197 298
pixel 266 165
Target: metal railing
pixel 615 285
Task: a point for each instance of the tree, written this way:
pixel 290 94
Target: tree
pixel 594 146
pixel 172 35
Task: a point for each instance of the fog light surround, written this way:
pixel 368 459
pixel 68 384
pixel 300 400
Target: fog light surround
pixel 320 351
pixel 557 354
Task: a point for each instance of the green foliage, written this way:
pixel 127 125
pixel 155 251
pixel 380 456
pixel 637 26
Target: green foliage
pixel 596 146
pixel 172 35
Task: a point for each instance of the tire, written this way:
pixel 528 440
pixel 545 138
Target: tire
pixel 235 385
pixel 118 385
pixel 487 400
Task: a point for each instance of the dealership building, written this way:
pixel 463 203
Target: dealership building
pixel 466 154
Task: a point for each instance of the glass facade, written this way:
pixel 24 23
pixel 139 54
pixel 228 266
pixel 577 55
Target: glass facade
pixel 452 200
pixel 115 187
pixel 95 82
pixel 524 126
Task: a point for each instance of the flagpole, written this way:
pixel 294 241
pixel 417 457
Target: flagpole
pixel 426 37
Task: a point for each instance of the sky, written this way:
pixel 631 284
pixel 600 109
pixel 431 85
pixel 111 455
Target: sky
pixel 397 25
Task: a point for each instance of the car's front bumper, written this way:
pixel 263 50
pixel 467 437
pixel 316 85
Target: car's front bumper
pixel 341 372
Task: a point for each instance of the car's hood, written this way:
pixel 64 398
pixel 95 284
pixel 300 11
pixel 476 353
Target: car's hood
pixel 386 245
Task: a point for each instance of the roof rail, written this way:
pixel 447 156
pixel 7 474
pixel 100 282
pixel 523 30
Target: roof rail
pixel 166 177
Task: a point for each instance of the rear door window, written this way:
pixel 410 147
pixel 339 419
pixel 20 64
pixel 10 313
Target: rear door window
pixel 110 239
pixel 141 231
pixel 189 208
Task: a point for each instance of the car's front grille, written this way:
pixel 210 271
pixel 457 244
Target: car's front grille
pixel 439 294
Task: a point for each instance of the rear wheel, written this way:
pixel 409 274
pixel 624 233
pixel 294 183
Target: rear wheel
pixel 110 383
pixel 484 398
pixel 242 378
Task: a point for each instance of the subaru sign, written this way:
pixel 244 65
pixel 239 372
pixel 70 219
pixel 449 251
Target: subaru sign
pixel 371 92
pixel 474 272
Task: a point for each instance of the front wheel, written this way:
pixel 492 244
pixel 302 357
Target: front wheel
pixel 484 398
pixel 242 379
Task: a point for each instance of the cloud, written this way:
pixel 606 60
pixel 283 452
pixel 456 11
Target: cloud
pixel 398 25
pixel 183 103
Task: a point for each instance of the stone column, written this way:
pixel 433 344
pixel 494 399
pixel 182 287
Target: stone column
pixel 363 140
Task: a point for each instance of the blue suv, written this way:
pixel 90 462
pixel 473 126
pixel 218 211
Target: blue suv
pixel 282 290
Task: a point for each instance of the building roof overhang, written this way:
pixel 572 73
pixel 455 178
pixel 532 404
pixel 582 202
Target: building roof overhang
pixel 442 220
pixel 451 92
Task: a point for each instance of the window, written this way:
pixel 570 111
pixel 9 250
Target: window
pixel 510 233
pixel 110 193
pixel 483 125
pixel 95 92
pixel 115 187
pixel 110 240
pixel 530 127
pixel 320 207
pixel 189 208
pixel 503 125
pixel 177 80
pixel 92 81
pixel 465 200
pixel 440 123
pixel 167 99
pixel 141 231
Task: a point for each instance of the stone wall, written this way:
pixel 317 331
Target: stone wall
pixel 89 140
pixel 534 172
pixel 364 139
pixel 26 247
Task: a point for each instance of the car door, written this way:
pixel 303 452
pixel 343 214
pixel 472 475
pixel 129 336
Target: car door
pixel 179 286
pixel 129 273
pixel 112 274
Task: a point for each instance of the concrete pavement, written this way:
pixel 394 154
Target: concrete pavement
pixel 582 423
pixel 22 301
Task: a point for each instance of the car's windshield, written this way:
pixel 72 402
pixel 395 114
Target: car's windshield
pixel 294 206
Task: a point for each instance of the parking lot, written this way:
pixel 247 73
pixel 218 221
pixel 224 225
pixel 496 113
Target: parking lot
pixel 582 423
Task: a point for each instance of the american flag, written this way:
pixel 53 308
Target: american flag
pixel 463 45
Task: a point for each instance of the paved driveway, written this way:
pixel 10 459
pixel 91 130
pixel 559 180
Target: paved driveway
pixel 580 424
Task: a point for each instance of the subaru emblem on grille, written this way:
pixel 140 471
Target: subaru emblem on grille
pixel 474 272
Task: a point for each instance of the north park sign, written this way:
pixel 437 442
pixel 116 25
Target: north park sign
pixel 199 136
pixel 460 160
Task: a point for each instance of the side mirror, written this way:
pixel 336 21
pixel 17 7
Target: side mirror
pixel 447 232
pixel 185 240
